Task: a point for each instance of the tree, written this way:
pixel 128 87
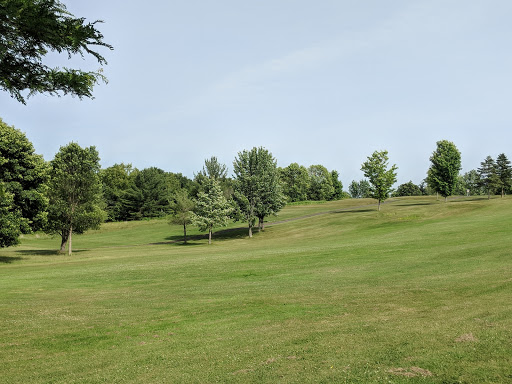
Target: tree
pixel 212 208
pixel 213 169
pixel 116 181
pixel 444 168
pixel 471 182
pixel 29 29
pixel 24 175
pixel 408 189
pixel 270 194
pixel 504 173
pixel 320 183
pixel 150 192
pixel 181 208
pixel 489 179
pixel 257 190
pixel 9 220
pixel 74 193
pixel 380 178
pixel 295 182
pixel 359 189
pixel 337 185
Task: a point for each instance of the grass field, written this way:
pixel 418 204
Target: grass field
pixel 329 293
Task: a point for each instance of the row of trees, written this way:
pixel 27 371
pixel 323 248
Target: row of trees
pixel 492 177
pixel 71 194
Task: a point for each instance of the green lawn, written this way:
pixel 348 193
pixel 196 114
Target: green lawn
pixel 328 293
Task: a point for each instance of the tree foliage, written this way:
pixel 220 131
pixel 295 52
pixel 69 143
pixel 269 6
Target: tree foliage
pixel 380 177
pixel 29 30
pixel 359 190
pixel 489 179
pixel 116 181
pixel 408 189
pixel 504 173
pixel 444 168
pixel 212 209
pixel 9 220
pixel 320 183
pixel 24 175
pixel 74 193
pixel 337 185
pixel 150 192
pixel 295 182
pixel 181 210
pixel 257 190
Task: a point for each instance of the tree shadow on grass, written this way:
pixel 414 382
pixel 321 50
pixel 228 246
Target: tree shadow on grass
pixel 9 259
pixel 46 252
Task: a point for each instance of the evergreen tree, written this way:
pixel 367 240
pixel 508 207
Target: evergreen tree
pixel 489 179
pixel 212 209
pixel 337 185
pixel 29 29
pixel 504 173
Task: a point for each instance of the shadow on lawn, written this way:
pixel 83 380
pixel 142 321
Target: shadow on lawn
pixel 46 252
pixel 9 259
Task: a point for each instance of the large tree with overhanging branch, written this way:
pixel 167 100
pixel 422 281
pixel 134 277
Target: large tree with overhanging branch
pixel 29 30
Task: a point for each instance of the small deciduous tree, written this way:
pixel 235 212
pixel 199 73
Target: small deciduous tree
pixel 444 168
pixel 74 193
pixel 380 177
pixel 29 29
pixel 408 189
pixel 489 179
pixel 212 209
pixel 181 211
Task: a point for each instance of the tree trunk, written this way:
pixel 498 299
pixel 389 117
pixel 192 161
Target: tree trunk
pixel 69 239
pixel 260 224
pixel 185 233
pixel 446 199
pixel 63 244
pixel 210 236
pixel 250 229
pixel 379 206
pixel 502 192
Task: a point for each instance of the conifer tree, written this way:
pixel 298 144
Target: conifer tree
pixel 212 209
pixel 504 173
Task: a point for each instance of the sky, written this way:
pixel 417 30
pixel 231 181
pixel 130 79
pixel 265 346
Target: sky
pixel 315 82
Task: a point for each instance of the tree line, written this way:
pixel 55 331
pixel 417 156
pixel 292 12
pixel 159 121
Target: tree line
pixel 71 193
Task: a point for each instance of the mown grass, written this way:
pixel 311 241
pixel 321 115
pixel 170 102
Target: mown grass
pixel 419 292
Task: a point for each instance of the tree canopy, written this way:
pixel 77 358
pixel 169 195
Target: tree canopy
pixel 444 168
pixel 29 30
pixel 212 209
pixel 74 192
pixel 24 175
pixel 380 177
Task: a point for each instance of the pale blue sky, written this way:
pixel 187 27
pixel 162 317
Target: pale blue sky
pixel 323 82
